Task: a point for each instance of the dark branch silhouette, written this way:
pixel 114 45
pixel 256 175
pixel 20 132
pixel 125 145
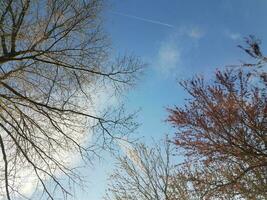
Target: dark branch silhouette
pixel 54 57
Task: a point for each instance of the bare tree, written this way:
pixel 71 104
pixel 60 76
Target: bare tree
pixel 54 56
pixel 149 174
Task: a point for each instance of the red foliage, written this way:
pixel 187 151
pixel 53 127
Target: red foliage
pixel 223 127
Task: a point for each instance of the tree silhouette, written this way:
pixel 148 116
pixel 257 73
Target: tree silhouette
pixel 148 173
pixel 222 130
pixel 54 56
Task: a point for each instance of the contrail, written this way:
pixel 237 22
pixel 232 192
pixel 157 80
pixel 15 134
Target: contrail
pixel 144 19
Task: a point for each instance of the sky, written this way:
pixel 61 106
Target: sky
pixel 177 39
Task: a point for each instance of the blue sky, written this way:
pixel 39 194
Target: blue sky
pixel 178 39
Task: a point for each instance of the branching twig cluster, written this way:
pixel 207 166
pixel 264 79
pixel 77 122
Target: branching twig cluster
pixel 53 56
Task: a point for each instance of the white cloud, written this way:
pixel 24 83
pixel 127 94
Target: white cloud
pixel 171 50
pixel 168 57
pixel 195 32
pixel 233 35
pixel 192 31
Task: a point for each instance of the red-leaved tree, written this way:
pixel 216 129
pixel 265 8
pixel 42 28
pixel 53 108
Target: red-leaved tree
pixel 222 131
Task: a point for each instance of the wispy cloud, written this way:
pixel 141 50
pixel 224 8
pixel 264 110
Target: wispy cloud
pixel 192 31
pixel 171 52
pixel 144 19
pixel 233 35
pixel 169 57
pixel 195 32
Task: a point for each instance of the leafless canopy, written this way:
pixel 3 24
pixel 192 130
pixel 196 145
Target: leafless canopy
pixel 149 174
pixel 53 58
